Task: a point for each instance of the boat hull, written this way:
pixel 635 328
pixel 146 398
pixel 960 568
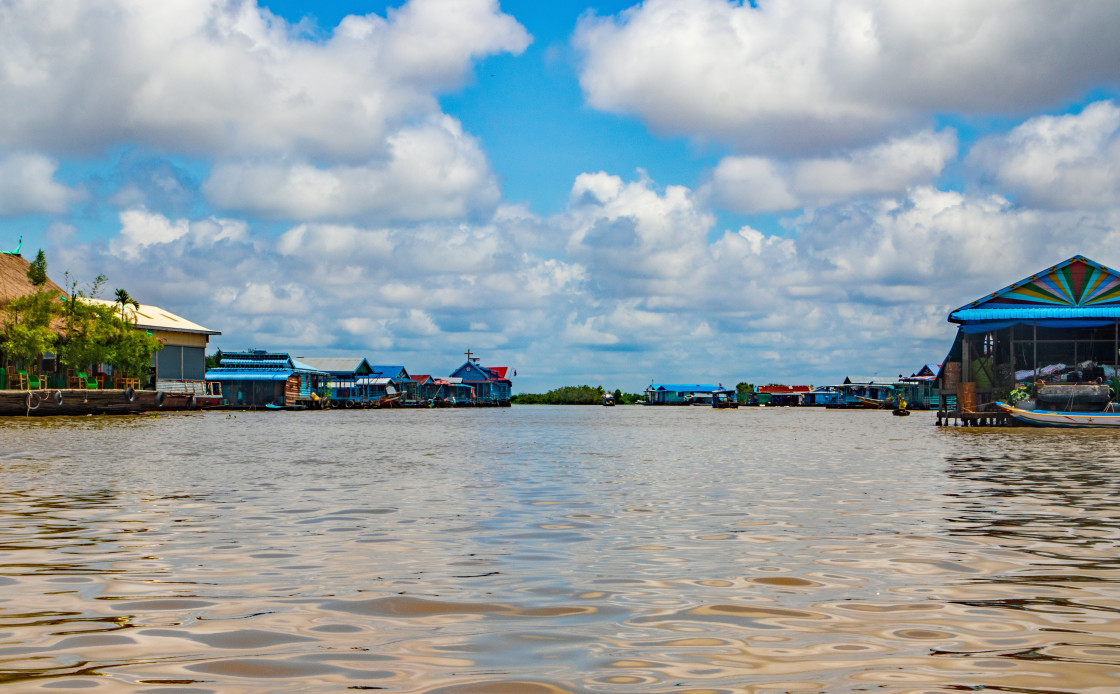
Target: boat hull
pixel 1066 420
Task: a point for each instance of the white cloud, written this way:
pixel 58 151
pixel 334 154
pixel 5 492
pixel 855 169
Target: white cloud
pixel 433 171
pixel 224 78
pixel 782 78
pixel 141 229
pixel 28 186
pixel 757 184
pixel 1058 162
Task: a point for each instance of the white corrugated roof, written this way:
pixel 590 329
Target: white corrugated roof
pixel 155 318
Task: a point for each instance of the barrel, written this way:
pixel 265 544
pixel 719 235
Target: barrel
pixel 966 396
pixel 952 375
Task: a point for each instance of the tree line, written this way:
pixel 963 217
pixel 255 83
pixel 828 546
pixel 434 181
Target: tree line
pixel 574 395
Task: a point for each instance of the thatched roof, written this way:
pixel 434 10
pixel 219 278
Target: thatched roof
pixel 13 278
pixel 14 282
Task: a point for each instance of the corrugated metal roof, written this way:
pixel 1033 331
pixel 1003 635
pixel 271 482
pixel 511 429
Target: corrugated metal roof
pixel 336 365
pixel 393 371
pixel 242 375
pixel 699 387
pixel 301 366
pixel 155 318
pixel 1033 313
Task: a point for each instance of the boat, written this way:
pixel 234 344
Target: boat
pixel 608 400
pixel 871 403
pixel 1054 418
pixel 900 412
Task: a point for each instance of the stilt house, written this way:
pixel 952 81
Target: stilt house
pixel 1061 324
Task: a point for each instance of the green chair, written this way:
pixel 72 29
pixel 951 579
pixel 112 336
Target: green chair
pixel 87 382
pixel 34 382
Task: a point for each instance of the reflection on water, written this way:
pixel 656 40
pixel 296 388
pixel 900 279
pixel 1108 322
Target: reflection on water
pixel 550 549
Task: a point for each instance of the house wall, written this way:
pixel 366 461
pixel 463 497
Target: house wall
pixel 183 356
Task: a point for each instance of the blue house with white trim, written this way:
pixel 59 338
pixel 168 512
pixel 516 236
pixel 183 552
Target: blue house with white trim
pixel 680 393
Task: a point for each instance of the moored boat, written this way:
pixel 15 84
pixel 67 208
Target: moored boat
pixel 1069 420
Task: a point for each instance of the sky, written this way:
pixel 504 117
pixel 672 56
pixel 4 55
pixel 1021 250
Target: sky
pixel 601 193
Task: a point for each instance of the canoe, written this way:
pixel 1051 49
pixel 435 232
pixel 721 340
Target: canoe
pixel 1069 420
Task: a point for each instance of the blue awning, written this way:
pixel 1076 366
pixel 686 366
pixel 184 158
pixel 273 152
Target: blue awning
pixel 235 375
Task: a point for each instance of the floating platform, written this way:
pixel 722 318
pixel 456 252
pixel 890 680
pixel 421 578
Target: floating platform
pixel 77 402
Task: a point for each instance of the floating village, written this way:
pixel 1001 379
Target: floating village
pixel 1042 351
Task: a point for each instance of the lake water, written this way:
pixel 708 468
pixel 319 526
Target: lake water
pixel 556 549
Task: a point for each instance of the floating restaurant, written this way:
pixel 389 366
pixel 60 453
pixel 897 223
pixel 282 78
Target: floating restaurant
pixel 1060 325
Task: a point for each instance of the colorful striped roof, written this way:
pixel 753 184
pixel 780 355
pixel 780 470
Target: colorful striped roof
pixel 1075 283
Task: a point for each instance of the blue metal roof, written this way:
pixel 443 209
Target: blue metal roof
pixel 700 387
pixel 962 315
pixel 247 375
pixel 389 371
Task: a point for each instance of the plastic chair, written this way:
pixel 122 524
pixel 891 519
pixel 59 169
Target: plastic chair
pixel 86 382
pixel 34 382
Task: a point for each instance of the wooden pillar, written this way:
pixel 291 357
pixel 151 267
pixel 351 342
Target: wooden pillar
pixel 1035 350
pixel 966 358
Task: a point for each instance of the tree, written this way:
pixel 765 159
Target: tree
pixel 88 328
pixel 132 349
pixel 27 327
pixel 37 270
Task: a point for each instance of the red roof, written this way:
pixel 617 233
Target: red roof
pixel 420 378
pixel 784 390
pixel 499 371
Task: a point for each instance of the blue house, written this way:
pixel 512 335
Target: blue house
pixel 491 387
pixel 347 376
pixel 680 393
pixel 256 378
pixel 388 381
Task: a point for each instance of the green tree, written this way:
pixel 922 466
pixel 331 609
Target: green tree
pixel 123 300
pixel 88 329
pixel 27 327
pixel 37 270
pixel 132 349
pixel 131 352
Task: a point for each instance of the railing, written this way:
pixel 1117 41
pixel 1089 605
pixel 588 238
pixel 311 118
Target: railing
pixel 207 388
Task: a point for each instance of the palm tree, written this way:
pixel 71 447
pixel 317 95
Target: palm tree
pixel 124 299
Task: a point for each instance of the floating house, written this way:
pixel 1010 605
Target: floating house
pixel 490 385
pixel 783 396
pixel 680 393
pixel 347 379
pixel 443 392
pixel 268 379
pixel 392 381
pixel 1060 324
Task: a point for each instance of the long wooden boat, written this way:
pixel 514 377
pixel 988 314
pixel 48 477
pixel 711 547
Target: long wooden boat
pixel 1069 420
pixel 871 403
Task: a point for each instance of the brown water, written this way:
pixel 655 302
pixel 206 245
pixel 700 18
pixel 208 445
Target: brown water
pixel 552 549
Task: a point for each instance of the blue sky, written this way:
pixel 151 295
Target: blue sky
pixel 606 193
